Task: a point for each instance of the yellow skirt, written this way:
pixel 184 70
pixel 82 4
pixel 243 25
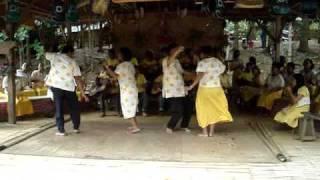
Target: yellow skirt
pixel 266 99
pixel 291 115
pixel 248 92
pixel 212 106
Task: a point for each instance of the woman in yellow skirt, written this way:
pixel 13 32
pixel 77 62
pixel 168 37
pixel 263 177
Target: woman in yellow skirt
pixel 299 103
pixel 211 102
pixel 273 89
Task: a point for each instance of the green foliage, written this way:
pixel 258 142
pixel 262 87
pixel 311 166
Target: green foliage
pixel 39 49
pixel 22 34
pixel 3 37
pixel 243 27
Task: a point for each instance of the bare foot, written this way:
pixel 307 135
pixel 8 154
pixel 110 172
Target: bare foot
pixel 169 131
pixel 134 131
pixel 203 135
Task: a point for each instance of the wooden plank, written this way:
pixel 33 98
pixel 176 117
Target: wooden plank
pixel 130 1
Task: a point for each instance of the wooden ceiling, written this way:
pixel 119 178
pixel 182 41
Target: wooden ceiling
pixel 32 9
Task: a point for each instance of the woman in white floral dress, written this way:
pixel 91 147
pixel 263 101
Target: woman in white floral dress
pixel 125 74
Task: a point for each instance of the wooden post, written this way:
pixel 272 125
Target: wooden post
pixel 290 42
pixel 236 35
pixel 28 50
pixel 278 32
pixel 11 79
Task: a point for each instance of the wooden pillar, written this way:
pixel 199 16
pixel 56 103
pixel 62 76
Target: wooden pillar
pixel 11 78
pixel 28 50
pixel 236 35
pixel 290 42
pixel 278 33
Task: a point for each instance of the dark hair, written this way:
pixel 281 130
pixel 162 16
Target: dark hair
pixel 292 65
pixel 276 65
pixel 253 60
pixel 112 53
pixel 67 49
pixel 236 54
pixel 172 46
pixel 149 54
pixel 126 54
pixel 282 61
pixel 308 61
pixel 207 50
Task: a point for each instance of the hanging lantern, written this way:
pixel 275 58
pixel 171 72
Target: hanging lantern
pixel 13 12
pixel 72 14
pixel 309 7
pixel 58 11
pixel 280 7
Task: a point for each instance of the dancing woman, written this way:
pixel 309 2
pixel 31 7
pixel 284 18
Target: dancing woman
pixel 125 74
pixel 211 102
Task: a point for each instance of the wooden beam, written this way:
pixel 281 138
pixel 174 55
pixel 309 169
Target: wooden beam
pixel 131 1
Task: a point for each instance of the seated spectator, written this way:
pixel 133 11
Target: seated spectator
pixel 23 104
pixel 254 88
pixel 307 72
pixel 143 97
pixel 38 76
pixel 246 76
pixel 298 104
pixel 273 88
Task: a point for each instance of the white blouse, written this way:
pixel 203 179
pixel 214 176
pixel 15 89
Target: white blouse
pixel 173 84
pixel 126 74
pixel 212 69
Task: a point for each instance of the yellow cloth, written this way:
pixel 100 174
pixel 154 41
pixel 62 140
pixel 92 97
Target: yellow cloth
pixel 267 99
pixel 225 81
pixel 42 91
pixel 148 63
pixel 23 105
pixel 141 82
pixel 248 76
pixel 291 114
pixel 28 93
pixel 134 61
pixel 112 62
pixel 249 92
pixel 212 106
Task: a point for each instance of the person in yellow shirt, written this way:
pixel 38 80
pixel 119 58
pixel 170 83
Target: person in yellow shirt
pixel 273 89
pixel 299 103
pixel 112 61
pixel 143 97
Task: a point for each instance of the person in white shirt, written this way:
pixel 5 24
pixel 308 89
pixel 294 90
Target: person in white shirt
pixel 38 75
pixel 173 88
pixel 63 79
pixel 211 102
pixel 125 74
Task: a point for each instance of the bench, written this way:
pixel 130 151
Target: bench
pixel 306 129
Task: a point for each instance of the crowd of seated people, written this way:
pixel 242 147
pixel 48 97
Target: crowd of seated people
pixel 285 94
pixel 27 85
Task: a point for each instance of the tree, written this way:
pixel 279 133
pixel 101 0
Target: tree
pixel 304 34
